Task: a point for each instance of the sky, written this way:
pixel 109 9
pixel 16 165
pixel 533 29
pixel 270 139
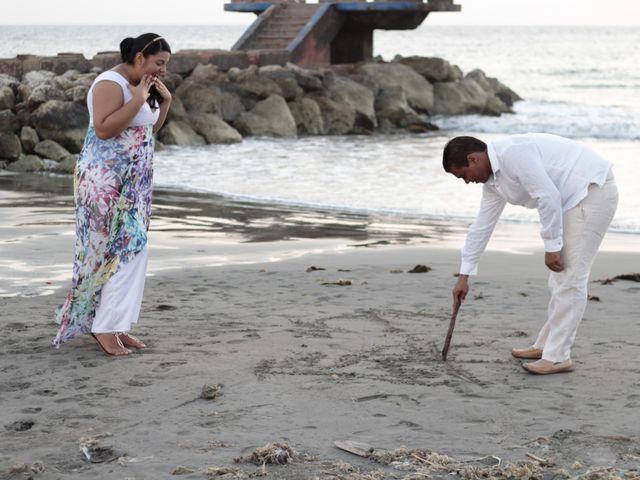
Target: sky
pixel 199 12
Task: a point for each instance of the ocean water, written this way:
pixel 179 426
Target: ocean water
pixel 579 82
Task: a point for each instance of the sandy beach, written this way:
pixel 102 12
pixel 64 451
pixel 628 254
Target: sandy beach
pixel 231 300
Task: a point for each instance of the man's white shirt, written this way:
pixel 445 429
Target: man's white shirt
pixel 535 170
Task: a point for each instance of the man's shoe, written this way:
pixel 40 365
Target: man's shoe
pixel 530 353
pixel 546 367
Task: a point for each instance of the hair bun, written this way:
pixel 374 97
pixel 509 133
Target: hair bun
pixel 126 46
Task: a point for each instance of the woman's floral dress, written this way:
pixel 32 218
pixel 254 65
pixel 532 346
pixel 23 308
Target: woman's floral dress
pixel 112 193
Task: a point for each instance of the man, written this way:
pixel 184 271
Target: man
pixel 574 191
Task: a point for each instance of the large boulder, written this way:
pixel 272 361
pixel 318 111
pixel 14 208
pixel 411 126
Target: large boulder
pixel 62 121
pixel 179 132
pixel 308 80
pixel 391 104
pixel 51 150
pixel 504 93
pixel 475 95
pixel 285 79
pixel 177 110
pixel 7 97
pixel 9 81
pixel 43 93
pixel 200 96
pixel 259 88
pixel 9 122
pixel 308 116
pixel 431 68
pixel 270 117
pixel 213 128
pixel 360 98
pixel 29 139
pixel 37 77
pixel 231 107
pixel 417 89
pixel 27 163
pixel 339 117
pixel 449 99
pixel 10 146
pixel 205 73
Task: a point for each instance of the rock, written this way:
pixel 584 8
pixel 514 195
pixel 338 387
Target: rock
pixel 391 104
pixel 449 99
pixel 418 91
pixel 417 124
pixel 239 75
pixel 455 73
pixel 481 79
pixel 77 94
pixel 9 81
pixel 260 87
pixel 172 81
pixel 48 118
pixel 37 77
pixel 23 91
pixel 306 79
pixel 84 80
pixel 67 164
pixel 359 97
pixel 10 146
pixel 308 117
pixel 495 107
pixel 200 97
pixel 177 110
pixel 9 122
pixel 43 93
pixel 204 73
pixel 51 150
pixel 210 391
pixel 431 68
pixel 61 82
pixel 270 117
pixel 29 138
pixel 285 79
pixel 7 97
pixel 231 107
pixel 213 128
pixel 338 118
pixel 27 163
pixel 476 96
pixel 179 132
pixel 504 93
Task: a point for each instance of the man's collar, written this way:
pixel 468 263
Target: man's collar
pixel 493 160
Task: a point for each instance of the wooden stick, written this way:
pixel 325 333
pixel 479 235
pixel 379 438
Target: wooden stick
pixel 452 324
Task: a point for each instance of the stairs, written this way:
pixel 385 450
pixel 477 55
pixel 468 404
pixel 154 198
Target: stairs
pixel 278 29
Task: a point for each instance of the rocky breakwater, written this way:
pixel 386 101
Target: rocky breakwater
pixel 43 115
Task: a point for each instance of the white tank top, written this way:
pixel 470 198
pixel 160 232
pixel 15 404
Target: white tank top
pixel 145 115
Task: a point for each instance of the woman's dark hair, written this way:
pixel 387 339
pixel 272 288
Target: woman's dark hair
pixel 457 149
pixel 147 44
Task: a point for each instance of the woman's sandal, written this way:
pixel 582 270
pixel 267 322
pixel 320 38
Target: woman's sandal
pixel 130 341
pixel 116 353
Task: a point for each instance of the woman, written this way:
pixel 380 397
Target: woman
pixel 113 181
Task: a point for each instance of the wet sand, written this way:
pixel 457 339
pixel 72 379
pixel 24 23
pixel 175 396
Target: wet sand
pixel 302 360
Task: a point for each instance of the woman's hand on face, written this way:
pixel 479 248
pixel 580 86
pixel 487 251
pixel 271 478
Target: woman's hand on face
pixel 141 91
pixel 162 89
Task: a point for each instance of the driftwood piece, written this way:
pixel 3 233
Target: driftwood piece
pixel 452 324
pixel 357 448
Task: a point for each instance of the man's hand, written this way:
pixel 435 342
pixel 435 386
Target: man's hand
pixel 461 289
pixel 553 261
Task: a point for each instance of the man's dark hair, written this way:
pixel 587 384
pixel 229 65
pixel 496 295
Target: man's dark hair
pixel 457 149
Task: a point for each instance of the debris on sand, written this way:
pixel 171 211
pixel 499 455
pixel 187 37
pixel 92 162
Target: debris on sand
pixel 370 244
pixel 210 391
pixel 96 453
pixel 395 270
pixel 273 453
pixel 340 283
pixel 22 471
pixel 420 269
pixel 632 277
pixel 181 470
pixel 225 472
pixel 313 268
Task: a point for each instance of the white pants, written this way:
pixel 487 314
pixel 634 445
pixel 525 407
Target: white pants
pixel 584 227
pixel 122 296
